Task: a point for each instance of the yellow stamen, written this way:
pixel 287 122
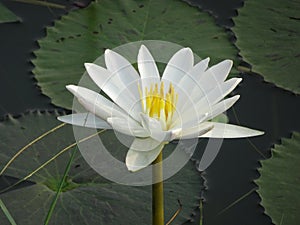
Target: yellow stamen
pixel 157 104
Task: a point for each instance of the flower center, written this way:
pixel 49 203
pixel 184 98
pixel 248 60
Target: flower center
pixel 158 104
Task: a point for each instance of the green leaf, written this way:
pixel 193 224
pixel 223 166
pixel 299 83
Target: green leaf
pixel 268 34
pixel 85 197
pixel 81 36
pixel 279 184
pixel 6 15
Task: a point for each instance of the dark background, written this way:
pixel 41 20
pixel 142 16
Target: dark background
pixel 230 179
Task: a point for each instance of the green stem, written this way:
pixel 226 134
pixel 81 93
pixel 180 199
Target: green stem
pixel 7 214
pixel 59 190
pixel 158 192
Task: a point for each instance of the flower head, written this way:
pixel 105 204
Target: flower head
pixel 156 110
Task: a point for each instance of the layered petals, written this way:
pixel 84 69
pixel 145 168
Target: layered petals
pixel 112 85
pixel 96 103
pixel 128 127
pixel 156 110
pixel 179 65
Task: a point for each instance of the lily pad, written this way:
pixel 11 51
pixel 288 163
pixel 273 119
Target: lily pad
pixel 268 35
pixel 83 35
pixel 86 197
pixel 279 184
pixel 6 15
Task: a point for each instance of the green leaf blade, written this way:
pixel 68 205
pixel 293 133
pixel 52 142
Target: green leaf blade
pixel 279 184
pixel 83 35
pixel 268 38
pixel 86 197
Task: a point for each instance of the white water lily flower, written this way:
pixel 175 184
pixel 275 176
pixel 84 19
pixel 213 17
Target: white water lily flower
pixel 156 110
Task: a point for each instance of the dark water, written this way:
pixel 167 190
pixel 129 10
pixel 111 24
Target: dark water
pixel 18 89
pixel 230 177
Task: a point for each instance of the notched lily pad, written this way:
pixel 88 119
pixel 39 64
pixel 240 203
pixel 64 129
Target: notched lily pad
pixel 83 35
pixel 268 35
pixel 279 184
pixel 86 197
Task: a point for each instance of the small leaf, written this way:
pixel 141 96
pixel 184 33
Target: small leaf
pixel 6 15
pixel 279 184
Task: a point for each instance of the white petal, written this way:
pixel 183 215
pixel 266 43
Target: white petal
pixel 102 77
pixel 223 130
pixel 136 160
pixel 85 120
pixel 211 98
pixel 128 126
pixel 96 103
pixel 214 76
pixel 200 85
pixel 147 68
pixel 181 63
pixel 144 144
pixel 222 69
pixel 185 86
pixel 112 86
pixel 222 107
pixel 192 132
pixel 219 92
pixel 190 121
pixel 155 129
pixel 191 77
pixel 200 67
pixel 120 67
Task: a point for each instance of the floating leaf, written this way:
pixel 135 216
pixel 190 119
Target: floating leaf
pixel 86 197
pixel 6 15
pixel 279 184
pixel 83 35
pixel 268 35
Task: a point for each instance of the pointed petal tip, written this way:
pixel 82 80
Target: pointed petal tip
pixel 143 47
pixel 88 65
pixel 60 118
pixel 234 81
pixel 207 59
pixel 229 62
pixel 72 88
pixel 188 50
pixel 236 97
pixel 143 51
pixel 63 119
pixel 259 132
pixel 108 53
pixel 253 133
